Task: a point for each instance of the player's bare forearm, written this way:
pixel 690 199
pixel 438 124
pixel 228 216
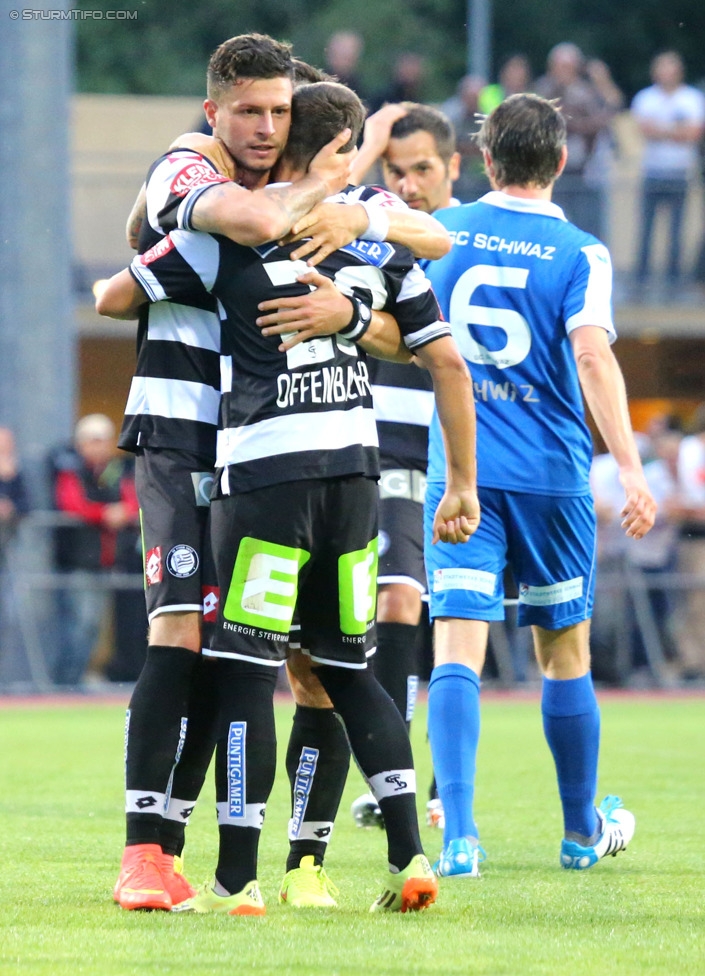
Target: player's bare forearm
pixel 455 404
pixel 602 384
pixel 377 132
pixel 137 217
pixel 320 312
pixel 333 225
pixel 383 339
pixel 326 228
pixel 324 311
pixel 458 513
pixel 425 236
pixel 254 217
pixel 121 297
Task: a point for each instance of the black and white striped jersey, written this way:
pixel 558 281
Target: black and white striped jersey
pixel 175 393
pixel 174 396
pixel 403 404
pixel 306 413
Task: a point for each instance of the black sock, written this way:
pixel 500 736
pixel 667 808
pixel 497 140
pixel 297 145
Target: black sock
pixel 245 764
pixel 381 747
pixel 317 762
pixel 396 665
pixel 155 732
pixel 192 767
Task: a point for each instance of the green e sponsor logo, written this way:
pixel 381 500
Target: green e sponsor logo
pixel 357 588
pixel 264 585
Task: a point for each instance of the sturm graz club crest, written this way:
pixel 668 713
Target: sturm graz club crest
pixel 182 561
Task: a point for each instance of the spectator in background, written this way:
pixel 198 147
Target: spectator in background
pixel 671 118
pixel 14 500
pixel 462 110
pixel 514 78
pixel 342 58
pixel 587 120
pixel 690 625
pixel 96 487
pixel 406 84
pixel 14 504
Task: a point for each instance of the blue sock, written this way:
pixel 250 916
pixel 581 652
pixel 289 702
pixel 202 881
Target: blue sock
pixel 454 731
pixel 571 724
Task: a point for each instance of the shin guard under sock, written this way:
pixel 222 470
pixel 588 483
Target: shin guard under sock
pixel 571 723
pixel 199 746
pixel 454 732
pixel 381 747
pixel 154 737
pixel 395 665
pixel 317 762
pixel 245 765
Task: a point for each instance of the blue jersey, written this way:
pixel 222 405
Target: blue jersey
pixel 517 280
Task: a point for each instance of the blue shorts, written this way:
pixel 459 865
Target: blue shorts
pixel 548 543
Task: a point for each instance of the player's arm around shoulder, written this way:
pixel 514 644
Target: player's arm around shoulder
pixel 378 216
pixel 255 217
pixel 326 310
pixel 458 514
pixel 210 147
pixel 120 297
pixel 603 386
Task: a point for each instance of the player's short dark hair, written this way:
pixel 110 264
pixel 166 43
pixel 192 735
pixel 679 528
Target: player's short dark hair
pixel 524 135
pixel 308 74
pixel 248 56
pixel 425 118
pixel 318 113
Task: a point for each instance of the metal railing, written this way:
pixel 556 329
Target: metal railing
pixel 26 586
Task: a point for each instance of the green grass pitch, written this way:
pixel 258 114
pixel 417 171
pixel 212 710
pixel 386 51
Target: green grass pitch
pixel 61 835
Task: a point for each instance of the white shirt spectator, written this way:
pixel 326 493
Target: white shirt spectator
pixel 665 157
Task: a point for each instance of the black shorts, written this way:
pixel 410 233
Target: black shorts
pixel 401 540
pixel 309 545
pixel 173 490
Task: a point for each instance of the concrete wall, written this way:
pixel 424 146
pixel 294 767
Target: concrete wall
pixel 115 138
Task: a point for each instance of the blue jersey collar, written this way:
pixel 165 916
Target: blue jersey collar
pixel 522 205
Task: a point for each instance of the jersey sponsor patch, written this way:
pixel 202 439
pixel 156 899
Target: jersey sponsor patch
pixel 194 175
pixel 554 593
pixel 153 566
pixel 158 251
pixel 211 599
pixel 477 580
pixel 377 253
pixel 182 561
pixel 383 198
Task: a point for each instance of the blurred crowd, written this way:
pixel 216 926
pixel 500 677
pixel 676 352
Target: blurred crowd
pixel 651 610
pixel 669 115
pixel 96 626
pixel 649 619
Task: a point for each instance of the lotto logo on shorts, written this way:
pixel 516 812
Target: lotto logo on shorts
pixel 182 561
pixel 153 568
pixel 211 599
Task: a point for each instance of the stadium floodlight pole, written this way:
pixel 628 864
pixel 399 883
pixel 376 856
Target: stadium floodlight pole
pixel 38 330
pixel 37 322
pixel 479 25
